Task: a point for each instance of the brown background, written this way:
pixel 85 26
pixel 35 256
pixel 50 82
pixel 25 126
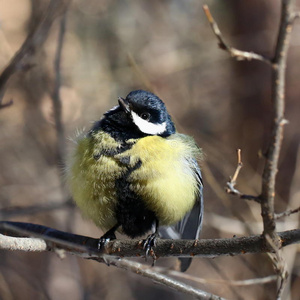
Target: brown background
pixel 111 48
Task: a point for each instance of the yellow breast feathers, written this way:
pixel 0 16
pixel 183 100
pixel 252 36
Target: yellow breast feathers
pixel 166 180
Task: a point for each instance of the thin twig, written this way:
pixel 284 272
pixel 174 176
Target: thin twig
pixel 245 282
pixel 56 100
pixel 232 183
pixel 286 213
pixel 150 273
pixel 239 166
pixel 140 73
pixel 237 54
pixel 22 60
pixel 7 104
pixel 296 15
pixel 16 211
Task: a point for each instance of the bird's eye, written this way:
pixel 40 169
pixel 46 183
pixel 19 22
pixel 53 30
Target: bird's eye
pixel 145 116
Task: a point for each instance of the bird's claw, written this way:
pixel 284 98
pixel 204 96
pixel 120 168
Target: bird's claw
pixel 107 237
pixel 149 244
pixel 102 242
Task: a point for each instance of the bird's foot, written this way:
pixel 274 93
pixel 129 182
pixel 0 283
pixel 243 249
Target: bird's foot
pixel 107 237
pixel 149 244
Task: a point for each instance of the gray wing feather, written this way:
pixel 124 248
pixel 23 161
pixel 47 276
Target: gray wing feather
pixel 190 226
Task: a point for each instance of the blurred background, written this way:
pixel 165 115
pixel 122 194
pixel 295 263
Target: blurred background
pixel 109 49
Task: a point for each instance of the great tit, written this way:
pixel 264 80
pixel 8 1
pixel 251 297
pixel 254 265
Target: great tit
pixel 133 172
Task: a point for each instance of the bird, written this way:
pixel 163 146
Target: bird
pixel 132 172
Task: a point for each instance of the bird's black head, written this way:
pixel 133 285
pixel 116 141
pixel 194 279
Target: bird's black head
pixel 148 113
pixel 140 114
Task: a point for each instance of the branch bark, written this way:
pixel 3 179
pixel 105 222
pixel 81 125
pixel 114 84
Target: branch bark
pixel 134 248
pixel 278 101
pixel 272 157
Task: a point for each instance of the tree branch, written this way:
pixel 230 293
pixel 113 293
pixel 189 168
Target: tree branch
pixel 161 278
pixel 237 54
pixel 22 60
pixel 272 157
pixel 278 64
pixel 14 211
pixel 56 100
pixel 231 184
pixel 278 101
pixel 286 213
pixel 245 282
pixel 134 248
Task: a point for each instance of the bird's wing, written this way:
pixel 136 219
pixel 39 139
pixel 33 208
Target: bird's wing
pixel 190 226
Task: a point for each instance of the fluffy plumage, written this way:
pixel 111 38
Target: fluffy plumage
pixel 126 176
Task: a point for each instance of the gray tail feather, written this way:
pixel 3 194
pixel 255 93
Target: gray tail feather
pixel 185 263
pixel 188 228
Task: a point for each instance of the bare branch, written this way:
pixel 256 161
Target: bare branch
pixel 160 278
pixel 286 213
pixel 273 152
pixel 56 100
pixel 24 244
pixel 278 97
pixel 85 247
pixel 14 211
pixel 22 60
pixel 295 16
pixel 39 245
pixel 4 105
pixel 279 265
pixel 134 248
pixel 231 184
pixel 246 282
pixel 237 54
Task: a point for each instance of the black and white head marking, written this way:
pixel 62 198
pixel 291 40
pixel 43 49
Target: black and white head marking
pixel 146 126
pixel 148 113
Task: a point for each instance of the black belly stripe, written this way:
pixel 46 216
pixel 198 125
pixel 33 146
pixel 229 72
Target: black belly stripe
pixel 131 212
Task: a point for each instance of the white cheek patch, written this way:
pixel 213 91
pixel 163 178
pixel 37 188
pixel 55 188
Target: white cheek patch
pixel 146 126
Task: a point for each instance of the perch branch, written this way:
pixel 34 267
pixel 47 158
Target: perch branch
pixel 45 239
pixel 134 248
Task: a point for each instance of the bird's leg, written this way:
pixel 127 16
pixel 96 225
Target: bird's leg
pixel 108 236
pixel 150 242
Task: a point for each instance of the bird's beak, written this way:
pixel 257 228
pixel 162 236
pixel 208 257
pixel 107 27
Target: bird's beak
pixel 124 105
